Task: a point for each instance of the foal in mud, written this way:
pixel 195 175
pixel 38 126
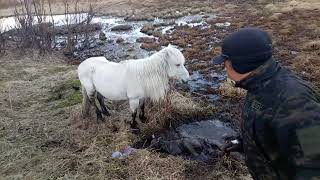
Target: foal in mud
pixel 133 80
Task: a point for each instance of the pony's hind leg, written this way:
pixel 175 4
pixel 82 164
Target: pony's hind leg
pixel 141 114
pixel 91 98
pixel 85 103
pixel 103 106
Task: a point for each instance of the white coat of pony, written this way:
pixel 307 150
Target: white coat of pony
pixel 132 80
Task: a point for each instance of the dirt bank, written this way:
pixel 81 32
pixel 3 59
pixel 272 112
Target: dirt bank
pixel 137 8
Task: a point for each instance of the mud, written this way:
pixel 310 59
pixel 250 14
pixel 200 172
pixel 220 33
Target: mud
pixel 196 141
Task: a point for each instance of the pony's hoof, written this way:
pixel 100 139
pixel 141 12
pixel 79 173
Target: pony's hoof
pixel 101 120
pixel 135 130
pixel 106 113
pixel 142 118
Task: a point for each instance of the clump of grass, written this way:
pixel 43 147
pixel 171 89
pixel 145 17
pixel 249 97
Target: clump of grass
pixel 67 93
pixel 307 66
pixel 312 45
pixel 58 69
pixel 71 100
pixel 228 90
pixel 150 165
pixel 175 110
pixel 74 83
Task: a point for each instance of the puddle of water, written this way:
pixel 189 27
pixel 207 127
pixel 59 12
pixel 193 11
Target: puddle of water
pixel 191 21
pixel 9 23
pixel 111 21
pixel 226 24
pixel 158 20
pixel 194 20
pixel 199 85
pixel 107 23
pixel 167 30
pixel 197 82
pixel 129 36
pixel 112 50
pixel 196 141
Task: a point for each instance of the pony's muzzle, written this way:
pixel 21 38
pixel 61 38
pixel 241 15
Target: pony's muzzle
pixel 187 77
pixel 185 81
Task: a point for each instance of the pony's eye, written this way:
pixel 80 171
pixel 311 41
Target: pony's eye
pixel 177 65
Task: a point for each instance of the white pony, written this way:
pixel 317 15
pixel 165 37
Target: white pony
pixel 131 79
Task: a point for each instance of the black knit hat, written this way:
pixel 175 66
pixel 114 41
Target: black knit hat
pixel 247 49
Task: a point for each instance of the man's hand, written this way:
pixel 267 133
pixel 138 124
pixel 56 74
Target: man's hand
pixel 232 145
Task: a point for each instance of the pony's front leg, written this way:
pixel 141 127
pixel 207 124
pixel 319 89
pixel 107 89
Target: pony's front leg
pixel 141 114
pixel 134 105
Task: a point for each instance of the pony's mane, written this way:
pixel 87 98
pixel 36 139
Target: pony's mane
pixel 151 74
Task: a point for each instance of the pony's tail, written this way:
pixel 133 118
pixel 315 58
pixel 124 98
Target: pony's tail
pixel 85 103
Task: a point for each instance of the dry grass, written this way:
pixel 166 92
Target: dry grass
pixel 150 165
pixel 312 45
pixel 173 111
pixel 291 5
pixel 144 8
pixel 7 3
pixel 228 90
pixel 307 66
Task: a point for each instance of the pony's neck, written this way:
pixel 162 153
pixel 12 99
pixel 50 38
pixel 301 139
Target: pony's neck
pixel 151 74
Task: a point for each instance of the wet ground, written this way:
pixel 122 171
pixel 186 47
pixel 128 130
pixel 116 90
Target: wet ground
pixel 198 141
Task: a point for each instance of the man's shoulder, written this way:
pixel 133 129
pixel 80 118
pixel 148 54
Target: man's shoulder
pixel 289 83
pixel 290 86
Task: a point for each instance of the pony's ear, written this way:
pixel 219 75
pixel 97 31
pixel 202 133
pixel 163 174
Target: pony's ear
pixel 170 45
pixel 166 52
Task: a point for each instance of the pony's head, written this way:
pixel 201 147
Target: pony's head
pixel 175 61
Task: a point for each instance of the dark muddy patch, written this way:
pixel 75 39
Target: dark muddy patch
pixel 204 85
pixel 195 141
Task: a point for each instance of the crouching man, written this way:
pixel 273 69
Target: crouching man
pixel 280 133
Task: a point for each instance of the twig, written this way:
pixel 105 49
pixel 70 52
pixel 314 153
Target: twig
pixel 10 100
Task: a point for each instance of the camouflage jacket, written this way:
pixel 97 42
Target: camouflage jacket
pixel 281 125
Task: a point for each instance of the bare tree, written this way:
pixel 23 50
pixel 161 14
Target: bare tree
pixel 87 22
pixel 25 35
pixel 78 26
pixel 35 26
pixel 2 40
pixel 53 24
pixel 42 30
